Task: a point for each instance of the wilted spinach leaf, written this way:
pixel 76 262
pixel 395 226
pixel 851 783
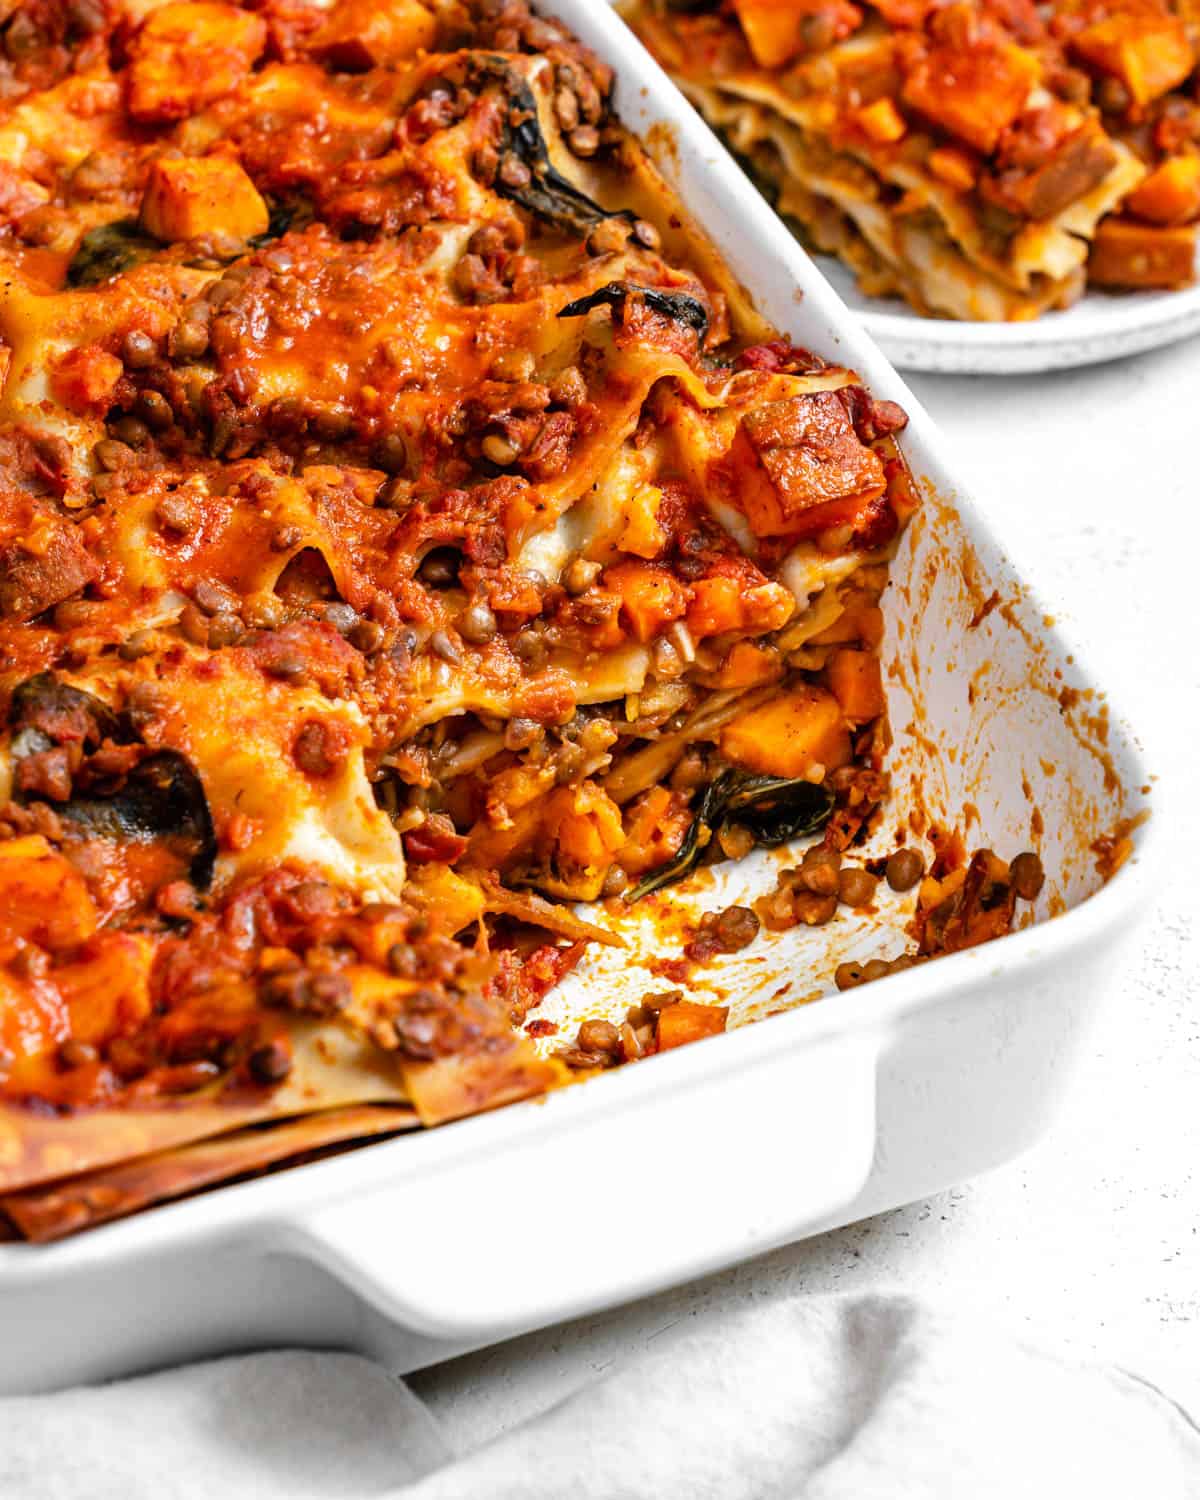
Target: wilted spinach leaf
pixel 160 800
pixel 677 305
pixel 774 808
pixel 548 194
pixel 110 250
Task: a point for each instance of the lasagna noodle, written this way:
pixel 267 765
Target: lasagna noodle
pixel 66 1207
pixel 946 268
pixel 331 1068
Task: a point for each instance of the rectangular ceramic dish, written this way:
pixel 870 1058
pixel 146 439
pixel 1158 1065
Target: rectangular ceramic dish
pixel 420 1248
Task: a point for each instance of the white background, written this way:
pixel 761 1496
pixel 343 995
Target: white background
pixel 1093 477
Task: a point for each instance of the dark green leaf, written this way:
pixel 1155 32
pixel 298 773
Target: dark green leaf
pixel 161 799
pixel 677 305
pixel 548 194
pixel 110 250
pixel 775 809
pixel 704 825
pixel 282 216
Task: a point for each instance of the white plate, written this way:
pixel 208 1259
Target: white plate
pixel 1100 326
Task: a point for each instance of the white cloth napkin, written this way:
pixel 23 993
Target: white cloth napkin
pixel 824 1398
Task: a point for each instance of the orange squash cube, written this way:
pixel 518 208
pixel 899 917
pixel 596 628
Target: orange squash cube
pixel 187 55
pixel 43 897
pixel 748 665
pixel 972 92
pixel 1149 53
pixel 775 30
pixel 585 823
pixel 686 1021
pixel 640 532
pixel 107 990
pixel 190 196
pixel 721 603
pixel 363 34
pixel 715 608
pixel 791 735
pixel 1171 193
pixel 881 122
pixel 651 597
pixel 451 902
pixel 857 684
pixel 772 31
pixel 656 826
pixel 798 467
pixel 1125 253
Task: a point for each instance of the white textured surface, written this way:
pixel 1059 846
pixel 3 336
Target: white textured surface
pixel 830 1398
pixel 1095 1235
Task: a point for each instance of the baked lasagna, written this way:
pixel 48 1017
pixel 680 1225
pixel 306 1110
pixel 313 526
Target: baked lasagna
pixel 408 532
pixel 981 160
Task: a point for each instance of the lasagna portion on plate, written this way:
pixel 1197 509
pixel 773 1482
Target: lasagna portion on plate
pixel 983 159
pixel 408 531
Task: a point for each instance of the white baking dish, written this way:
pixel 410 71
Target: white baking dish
pixel 422 1247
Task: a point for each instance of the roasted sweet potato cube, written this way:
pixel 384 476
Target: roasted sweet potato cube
pixel 585 824
pixel 973 92
pixel 1125 253
pixel 881 122
pixel 721 603
pixel 187 55
pixel 454 902
pixel 43 898
pixel 855 680
pixel 651 597
pixel 190 196
pixel 791 735
pixel 776 30
pixel 716 606
pixel 362 34
pixel 748 665
pixel 797 460
pixel 1171 193
pixel 656 825
pixel 639 531
pixel 1149 53
pixel 686 1021
pixel 107 989
pixel 772 31
pixel 903 13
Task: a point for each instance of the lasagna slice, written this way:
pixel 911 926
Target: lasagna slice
pixel 982 161
pixel 408 532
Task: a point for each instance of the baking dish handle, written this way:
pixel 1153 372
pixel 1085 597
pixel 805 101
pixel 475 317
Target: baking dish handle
pixel 576 1202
